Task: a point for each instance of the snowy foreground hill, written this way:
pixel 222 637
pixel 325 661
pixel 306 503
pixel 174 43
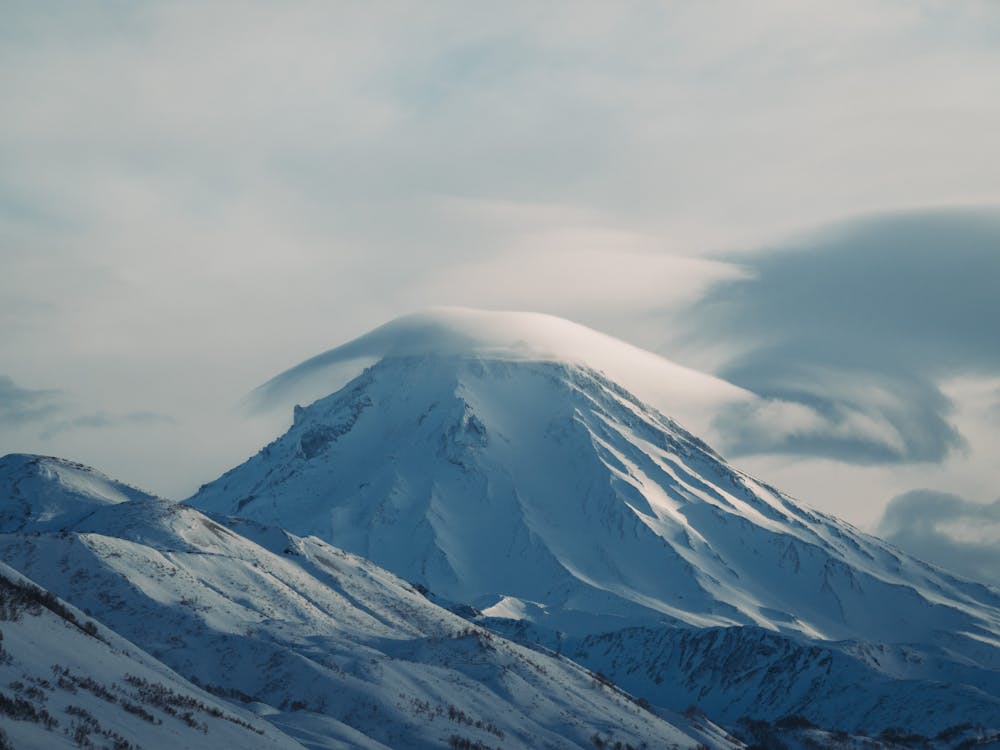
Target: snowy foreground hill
pixel 330 649
pixel 481 504
pixel 67 682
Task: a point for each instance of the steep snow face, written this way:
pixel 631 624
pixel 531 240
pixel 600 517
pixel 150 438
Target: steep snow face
pixel 543 491
pixel 39 493
pixel 68 682
pixel 328 647
pixel 691 397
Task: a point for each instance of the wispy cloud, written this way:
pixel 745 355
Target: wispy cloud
pixel 51 412
pixel 104 421
pixel 20 405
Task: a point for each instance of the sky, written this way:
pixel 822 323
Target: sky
pixel 800 197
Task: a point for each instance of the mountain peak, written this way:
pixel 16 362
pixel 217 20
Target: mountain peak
pixel 43 493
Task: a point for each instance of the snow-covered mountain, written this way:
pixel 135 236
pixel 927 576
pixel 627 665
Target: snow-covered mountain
pixel 67 682
pixel 327 647
pixel 49 493
pixel 496 470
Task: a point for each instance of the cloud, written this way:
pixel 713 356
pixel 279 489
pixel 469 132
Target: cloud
pixel 946 530
pixel 52 412
pixel 857 326
pixel 20 405
pixel 103 421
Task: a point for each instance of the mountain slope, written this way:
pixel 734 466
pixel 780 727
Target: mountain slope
pixel 333 650
pixel 67 682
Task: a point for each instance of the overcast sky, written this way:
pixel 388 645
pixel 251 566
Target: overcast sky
pixel 800 197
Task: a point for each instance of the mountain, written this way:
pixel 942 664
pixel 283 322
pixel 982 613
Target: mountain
pixel 328 648
pixel 45 493
pixel 69 682
pixel 483 464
